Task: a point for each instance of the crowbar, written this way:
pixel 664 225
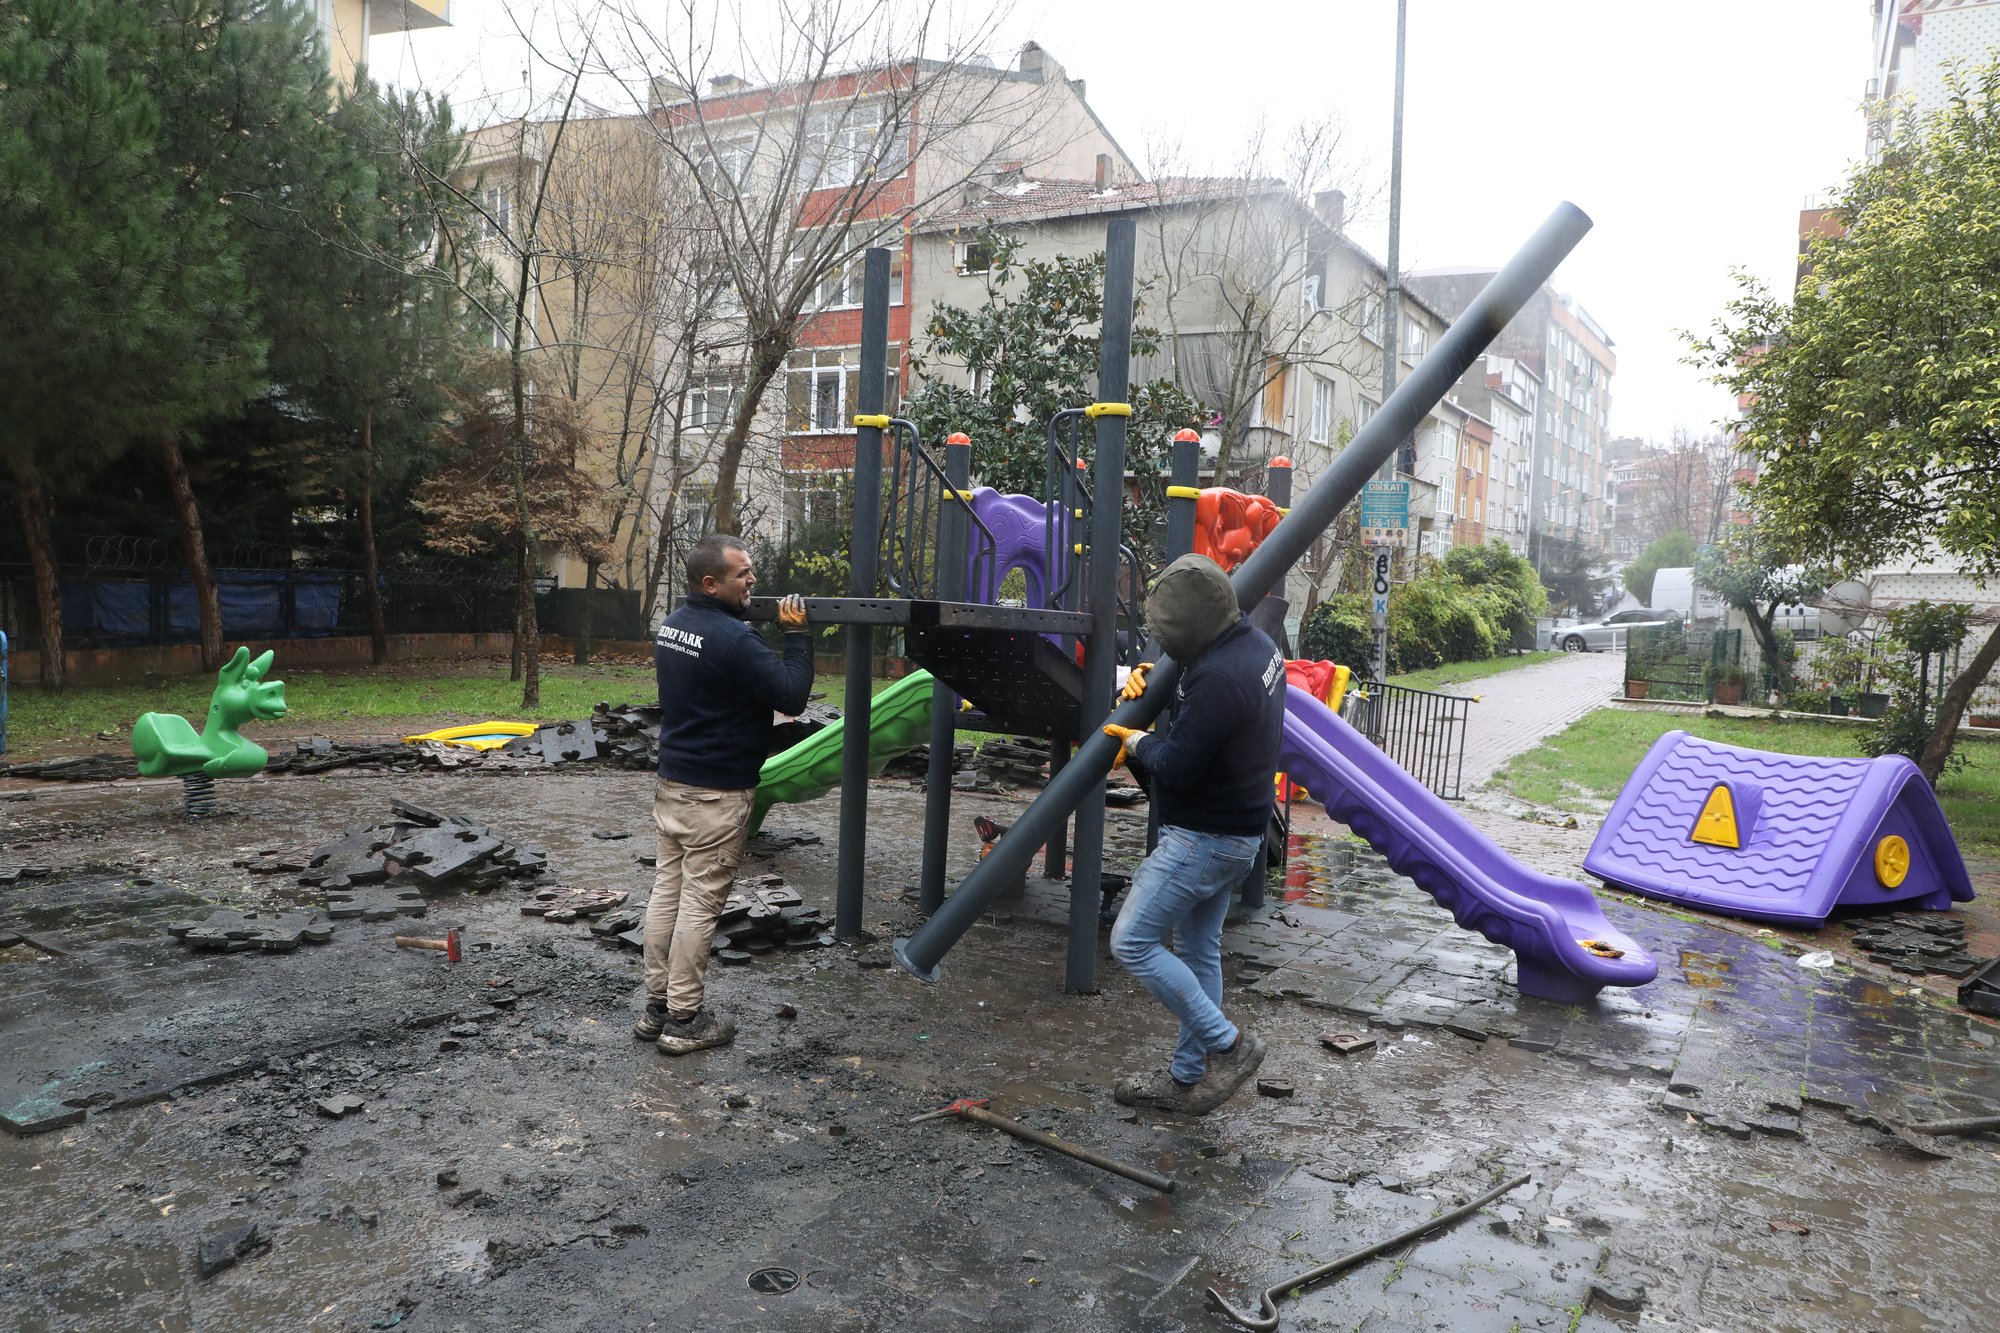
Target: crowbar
pixel 974 1108
pixel 1266 1317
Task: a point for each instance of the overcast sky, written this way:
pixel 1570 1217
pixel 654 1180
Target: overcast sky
pixel 1692 131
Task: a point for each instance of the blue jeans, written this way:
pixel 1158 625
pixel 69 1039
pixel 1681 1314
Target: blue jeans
pixel 1184 887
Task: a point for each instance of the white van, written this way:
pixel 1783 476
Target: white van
pixel 1674 587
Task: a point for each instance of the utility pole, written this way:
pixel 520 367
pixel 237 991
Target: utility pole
pixel 1391 330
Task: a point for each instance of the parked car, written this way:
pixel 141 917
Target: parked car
pixel 1593 636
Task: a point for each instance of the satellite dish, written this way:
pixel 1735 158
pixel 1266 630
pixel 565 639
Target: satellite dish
pixel 1843 607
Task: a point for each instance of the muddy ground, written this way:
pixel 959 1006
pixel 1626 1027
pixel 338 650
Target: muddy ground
pixel 1706 1152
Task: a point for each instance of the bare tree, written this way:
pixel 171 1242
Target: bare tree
pixel 1684 486
pixel 802 147
pixel 1241 263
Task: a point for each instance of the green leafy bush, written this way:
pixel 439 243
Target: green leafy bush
pixel 1338 631
pixel 1503 587
pixel 1434 619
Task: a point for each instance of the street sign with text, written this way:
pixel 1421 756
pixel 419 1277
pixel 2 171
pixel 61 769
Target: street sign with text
pixel 1385 513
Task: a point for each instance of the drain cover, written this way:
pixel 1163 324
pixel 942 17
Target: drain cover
pixel 773 1281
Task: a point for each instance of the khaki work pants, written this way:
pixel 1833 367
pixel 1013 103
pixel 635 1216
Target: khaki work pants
pixel 702 832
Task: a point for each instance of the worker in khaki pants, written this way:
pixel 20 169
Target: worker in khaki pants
pixel 719 685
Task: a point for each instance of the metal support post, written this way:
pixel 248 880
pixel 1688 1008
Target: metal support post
pixel 865 548
pixel 1100 660
pixel 953 533
pixel 1462 344
pixel 1183 490
pixel 1069 486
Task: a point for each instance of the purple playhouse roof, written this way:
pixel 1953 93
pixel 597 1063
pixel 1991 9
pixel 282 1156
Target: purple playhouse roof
pixel 1809 829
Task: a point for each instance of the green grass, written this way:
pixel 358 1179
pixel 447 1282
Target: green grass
pixel 1457 673
pixel 1585 767
pixel 403 697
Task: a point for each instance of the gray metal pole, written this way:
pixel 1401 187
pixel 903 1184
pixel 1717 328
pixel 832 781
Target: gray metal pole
pixel 1461 345
pixel 1393 302
pixel 1100 660
pixel 951 556
pixel 1183 485
pixel 865 548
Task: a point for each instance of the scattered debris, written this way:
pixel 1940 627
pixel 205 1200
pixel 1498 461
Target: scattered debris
pixel 1820 961
pixel 1345 1043
pixel 1980 992
pixel 1916 943
pixel 563 905
pixel 240 932
pixel 227 1243
pixel 342 1104
pixel 1789 1227
pixel 1274 1087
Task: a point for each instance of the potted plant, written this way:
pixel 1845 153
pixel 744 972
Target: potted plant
pixel 1725 683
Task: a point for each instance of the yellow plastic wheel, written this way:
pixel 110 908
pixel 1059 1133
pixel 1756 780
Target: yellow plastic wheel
pixel 1892 861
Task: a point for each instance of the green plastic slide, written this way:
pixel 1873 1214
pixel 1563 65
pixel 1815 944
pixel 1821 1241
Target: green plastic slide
pixel 899 720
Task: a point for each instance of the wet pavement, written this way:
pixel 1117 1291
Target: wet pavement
pixel 1708 1152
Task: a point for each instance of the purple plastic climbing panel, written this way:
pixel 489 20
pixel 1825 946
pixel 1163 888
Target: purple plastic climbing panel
pixel 1020 528
pixel 1778 837
pixel 1565 947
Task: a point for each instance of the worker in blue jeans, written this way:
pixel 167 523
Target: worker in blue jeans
pixel 1209 771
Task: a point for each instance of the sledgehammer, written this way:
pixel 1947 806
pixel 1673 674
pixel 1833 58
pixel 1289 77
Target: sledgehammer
pixel 448 946
pixel 974 1108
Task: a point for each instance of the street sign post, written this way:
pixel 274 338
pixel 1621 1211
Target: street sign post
pixel 1385 513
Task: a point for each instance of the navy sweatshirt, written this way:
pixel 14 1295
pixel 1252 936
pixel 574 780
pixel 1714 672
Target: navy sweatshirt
pixel 1210 767
pixel 719 684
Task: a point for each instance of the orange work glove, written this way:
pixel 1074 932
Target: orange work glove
pixel 792 614
pixel 1135 683
pixel 1123 735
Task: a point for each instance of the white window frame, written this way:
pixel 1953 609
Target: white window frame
pixel 1319 429
pixel 971 257
pixel 841 289
pixel 1416 342
pixel 724 160
pixel 711 402
pixel 842 145
pixel 497 205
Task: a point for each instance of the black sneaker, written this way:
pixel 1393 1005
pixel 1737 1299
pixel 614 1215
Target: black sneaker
pixel 1227 1071
pixel 704 1030
pixel 649 1024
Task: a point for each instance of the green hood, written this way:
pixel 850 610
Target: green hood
pixel 1191 604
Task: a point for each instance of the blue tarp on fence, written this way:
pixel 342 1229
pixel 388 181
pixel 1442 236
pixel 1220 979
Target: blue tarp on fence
pixel 255 603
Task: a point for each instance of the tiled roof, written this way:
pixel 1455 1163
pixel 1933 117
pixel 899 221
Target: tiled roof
pixel 1028 199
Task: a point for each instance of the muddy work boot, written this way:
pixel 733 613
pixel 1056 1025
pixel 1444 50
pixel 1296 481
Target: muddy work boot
pixel 1155 1090
pixel 1227 1071
pixel 649 1024
pixel 699 1033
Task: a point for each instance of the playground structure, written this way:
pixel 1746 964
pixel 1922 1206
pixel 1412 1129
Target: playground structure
pixel 949 547
pixel 168 745
pixel 1777 837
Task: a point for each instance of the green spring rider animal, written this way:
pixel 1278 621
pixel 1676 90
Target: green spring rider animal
pixel 168 746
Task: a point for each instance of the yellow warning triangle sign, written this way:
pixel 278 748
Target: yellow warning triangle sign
pixel 1717 825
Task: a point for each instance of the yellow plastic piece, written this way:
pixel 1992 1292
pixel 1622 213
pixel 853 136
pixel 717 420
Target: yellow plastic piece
pixel 1108 410
pixel 965 496
pixel 1717 824
pixel 1892 861
pixel 1184 492
pixel 478 735
pixel 879 420
pixel 1078 548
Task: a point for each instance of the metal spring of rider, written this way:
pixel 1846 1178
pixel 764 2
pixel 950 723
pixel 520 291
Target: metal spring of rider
pixel 197 795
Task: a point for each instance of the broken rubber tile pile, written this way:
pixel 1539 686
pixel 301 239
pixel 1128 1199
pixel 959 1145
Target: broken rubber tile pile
pixel 1021 762
pixel 240 932
pixel 1914 944
pixel 563 905
pixel 379 871
pixel 763 916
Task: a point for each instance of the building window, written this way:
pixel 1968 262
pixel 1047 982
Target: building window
pixel 1373 309
pixel 710 404
pixel 841 289
pixel 1447 442
pixel 972 257
pixel 853 142
pixel 1416 341
pixel 496 205
pixel 817 500
pixel 723 162
pixel 823 391
pixel 1320 430
pixel 1363 413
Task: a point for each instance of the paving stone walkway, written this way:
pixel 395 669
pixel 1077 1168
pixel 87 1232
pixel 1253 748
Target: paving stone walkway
pixel 1520 708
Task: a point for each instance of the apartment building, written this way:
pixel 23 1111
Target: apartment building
pixel 1572 357
pixel 347 26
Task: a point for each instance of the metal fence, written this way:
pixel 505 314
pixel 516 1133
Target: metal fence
pixel 1422 731
pixel 1692 666
pixel 137 608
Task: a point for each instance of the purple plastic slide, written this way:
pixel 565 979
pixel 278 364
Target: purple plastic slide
pixel 1544 920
